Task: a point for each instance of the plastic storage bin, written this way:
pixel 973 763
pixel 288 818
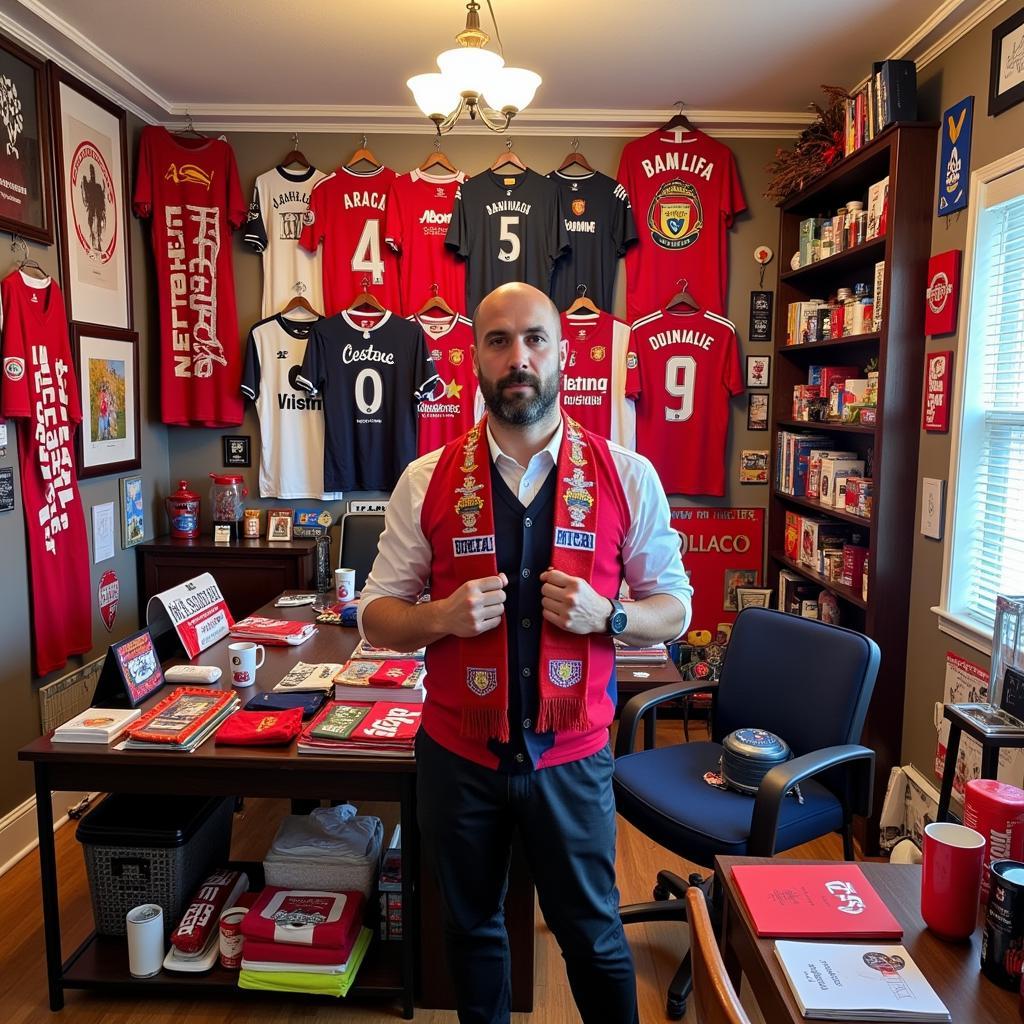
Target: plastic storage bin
pixel 151 849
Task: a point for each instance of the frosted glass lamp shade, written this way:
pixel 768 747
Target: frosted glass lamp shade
pixel 434 94
pixel 512 89
pixel 469 68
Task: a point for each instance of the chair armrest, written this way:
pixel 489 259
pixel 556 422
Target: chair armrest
pixel 783 777
pixel 641 703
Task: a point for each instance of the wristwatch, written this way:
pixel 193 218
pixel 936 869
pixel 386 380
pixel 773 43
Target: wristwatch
pixel 617 620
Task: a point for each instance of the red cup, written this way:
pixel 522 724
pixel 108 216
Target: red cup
pixel 231 938
pixel 954 856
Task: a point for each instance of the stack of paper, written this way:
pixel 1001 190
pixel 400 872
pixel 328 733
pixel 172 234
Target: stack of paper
pixel 653 655
pixel 303 677
pixel 273 631
pixel 386 727
pixel 96 725
pixel 367 680
pixel 364 649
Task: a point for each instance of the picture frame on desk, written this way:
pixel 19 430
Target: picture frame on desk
pixel 279 524
pixel 1006 73
pixel 753 597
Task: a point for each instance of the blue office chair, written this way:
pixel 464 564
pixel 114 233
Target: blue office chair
pixel 809 683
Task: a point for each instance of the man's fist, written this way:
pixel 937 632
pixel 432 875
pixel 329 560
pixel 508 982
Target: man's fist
pixel 476 606
pixel 572 603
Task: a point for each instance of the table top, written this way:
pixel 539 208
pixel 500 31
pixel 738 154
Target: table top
pixel 952 968
pixel 243 545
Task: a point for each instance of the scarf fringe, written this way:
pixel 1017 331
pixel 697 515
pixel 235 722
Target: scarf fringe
pixel 563 714
pixel 486 723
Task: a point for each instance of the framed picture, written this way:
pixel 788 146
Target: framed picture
pixel 107 364
pixel 1006 77
pixel 734 579
pixel 757 411
pixel 91 161
pixel 236 450
pixel 279 524
pixel 758 371
pixel 130 673
pixel 938 379
pixel 753 597
pixel 133 512
pixel 753 466
pixel 25 200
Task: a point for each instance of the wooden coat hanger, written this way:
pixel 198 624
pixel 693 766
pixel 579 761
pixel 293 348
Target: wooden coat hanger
pixel 582 303
pixel 575 159
pixel 364 302
pixel 435 303
pixel 26 262
pixel 682 298
pixel 362 156
pixel 189 129
pixel 678 120
pixel 508 159
pixel 296 156
pixel 437 159
pixel 300 302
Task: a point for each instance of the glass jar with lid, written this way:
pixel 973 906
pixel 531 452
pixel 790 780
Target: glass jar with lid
pixel 227 492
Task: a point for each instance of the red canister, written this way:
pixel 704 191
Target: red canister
pixel 231 939
pixel 996 810
pixel 183 511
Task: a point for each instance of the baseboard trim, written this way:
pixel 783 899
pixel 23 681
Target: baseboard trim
pixel 18 834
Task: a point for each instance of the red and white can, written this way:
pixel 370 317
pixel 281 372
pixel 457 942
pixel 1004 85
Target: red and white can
pixel 996 810
pixel 231 938
pixel 345 584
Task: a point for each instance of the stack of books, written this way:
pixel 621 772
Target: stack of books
pixel 385 728
pixel 183 720
pixel 96 725
pixel 308 678
pixel 655 654
pixel 364 649
pixel 368 680
pixel 273 631
pixel 299 940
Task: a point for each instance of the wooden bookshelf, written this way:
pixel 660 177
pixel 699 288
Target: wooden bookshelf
pixel 906 153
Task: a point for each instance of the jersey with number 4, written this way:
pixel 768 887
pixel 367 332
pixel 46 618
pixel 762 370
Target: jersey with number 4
pixel 682 369
pixel 346 215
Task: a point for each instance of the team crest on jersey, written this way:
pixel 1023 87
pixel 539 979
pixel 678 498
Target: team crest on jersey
pixel 456 356
pixel 598 352
pixel 675 217
pixel 190 174
pixel 578 499
pixel 632 361
pixel 564 672
pixel 482 681
pixel 579 206
pixel 14 368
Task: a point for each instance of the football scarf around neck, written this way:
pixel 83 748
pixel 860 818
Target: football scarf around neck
pixel 564 656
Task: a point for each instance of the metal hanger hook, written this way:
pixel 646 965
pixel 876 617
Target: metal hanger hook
pixel 363 143
pixel 508 144
pixel 682 284
pixel 575 144
pixel 581 290
pixel 364 283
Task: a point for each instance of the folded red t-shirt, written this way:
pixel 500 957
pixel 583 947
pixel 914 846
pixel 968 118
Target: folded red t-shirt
pixel 285 953
pixel 303 917
pixel 260 728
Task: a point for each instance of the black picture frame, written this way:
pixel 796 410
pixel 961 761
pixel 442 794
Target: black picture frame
pixel 759 398
pixel 131 672
pixel 30 166
pixel 236 450
pixel 751 378
pixel 1000 102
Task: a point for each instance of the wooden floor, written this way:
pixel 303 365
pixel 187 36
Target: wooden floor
pixel 657 948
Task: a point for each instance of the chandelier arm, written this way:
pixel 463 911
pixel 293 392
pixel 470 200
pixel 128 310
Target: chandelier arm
pixel 445 126
pixel 494 125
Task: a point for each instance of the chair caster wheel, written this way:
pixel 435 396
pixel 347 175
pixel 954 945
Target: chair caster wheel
pixel 661 893
pixel 675 1009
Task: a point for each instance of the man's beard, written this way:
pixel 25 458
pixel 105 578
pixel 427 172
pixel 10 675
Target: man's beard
pixel 524 410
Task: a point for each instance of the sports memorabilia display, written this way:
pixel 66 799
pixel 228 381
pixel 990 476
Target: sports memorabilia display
pixel 600 224
pixel 277 214
pixel 419 210
pixel 371 371
pixel 41 392
pixel 447 411
pixel 594 379
pixel 291 420
pixel 189 188
pixel 685 191
pixel 507 227
pixel 682 370
pixel 346 216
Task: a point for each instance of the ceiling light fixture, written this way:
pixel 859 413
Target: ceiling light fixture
pixel 475 79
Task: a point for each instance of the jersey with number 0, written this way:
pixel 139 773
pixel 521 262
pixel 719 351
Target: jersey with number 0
pixel 594 378
pixel 346 215
pixel 685 191
pixel 371 372
pixel 507 228
pixel 682 370
pixel 277 214
pixel 418 214
pixel 448 410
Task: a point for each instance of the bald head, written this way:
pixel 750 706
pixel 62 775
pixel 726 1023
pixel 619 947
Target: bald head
pixel 511 302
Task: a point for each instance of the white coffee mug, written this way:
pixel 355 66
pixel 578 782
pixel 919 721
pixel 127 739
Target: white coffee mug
pixel 244 663
pixel 345 584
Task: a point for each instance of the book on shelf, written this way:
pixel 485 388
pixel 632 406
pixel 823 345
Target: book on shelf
pixel 303 677
pixel 878 196
pixel 96 725
pixel 273 631
pixel 182 720
pixel 878 311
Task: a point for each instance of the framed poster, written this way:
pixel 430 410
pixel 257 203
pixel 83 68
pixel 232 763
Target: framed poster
pixel 758 371
pixel 25 200
pixel 107 364
pixel 942 299
pixel 91 158
pixel 955 159
pixel 1006 76
pixel 236 450
pixel 133 512
pixel 938 378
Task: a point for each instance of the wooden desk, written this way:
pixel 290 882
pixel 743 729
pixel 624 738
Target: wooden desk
pixel 633 679
pixel 953 969
pixel 410 970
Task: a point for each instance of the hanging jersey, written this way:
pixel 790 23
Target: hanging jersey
pixel 448 410
pixel 370 371
pixel 277 214
pixel 682 370
pixel 507 228
pixel 599 221
pixel 346 216
pixel 419 210
pixel 190 189
pixel 291 419
pixel 685 191
pixel 594 379
pixel 40 390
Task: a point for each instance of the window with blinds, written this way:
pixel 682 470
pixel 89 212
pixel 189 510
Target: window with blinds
pixel 988 539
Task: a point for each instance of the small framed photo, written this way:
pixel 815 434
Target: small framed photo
pixel 757 411
pixel 734 579
pixel 1006 76
pixel 753 467
pixel 279 524
pixel 133 512
pixel 753 597
pixel 221 533
pixel 237 451
pixel 758 371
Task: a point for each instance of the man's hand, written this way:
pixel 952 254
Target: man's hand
pixel 476 606
pixel 572 603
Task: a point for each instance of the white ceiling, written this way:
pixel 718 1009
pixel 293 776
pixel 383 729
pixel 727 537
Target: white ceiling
pixel 736 61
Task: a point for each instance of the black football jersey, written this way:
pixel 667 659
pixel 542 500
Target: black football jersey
pixel 371 371
pixel 599 222
pixel 507 228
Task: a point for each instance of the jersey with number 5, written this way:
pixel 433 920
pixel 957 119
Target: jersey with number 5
pixel 682 369
pixel 507 228
pixel 346 216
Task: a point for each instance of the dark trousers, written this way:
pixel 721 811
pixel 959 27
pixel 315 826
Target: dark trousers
pixel 566 818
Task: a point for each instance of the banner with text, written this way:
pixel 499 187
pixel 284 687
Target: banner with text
pixel 197 611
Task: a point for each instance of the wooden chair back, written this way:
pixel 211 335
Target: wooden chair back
pixel 716 999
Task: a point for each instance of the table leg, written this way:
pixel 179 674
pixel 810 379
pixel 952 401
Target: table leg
pixel 989 761
pixel 948 772
pixel 410 909
pixel 48 876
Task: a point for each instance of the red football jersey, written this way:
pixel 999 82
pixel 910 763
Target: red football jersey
pixel 40 389
pixel 682 369
pixel 594 378
pixel 449 410
pixel 685 191
pixel 419 210
pixel 190 188
pixel 347 215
